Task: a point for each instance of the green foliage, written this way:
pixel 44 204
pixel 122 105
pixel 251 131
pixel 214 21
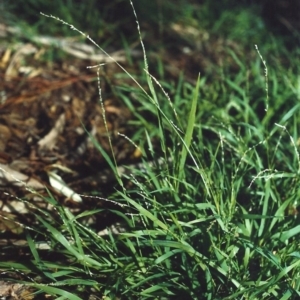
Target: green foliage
pixel 216 219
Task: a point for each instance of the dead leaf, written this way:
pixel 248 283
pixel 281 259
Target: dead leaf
pixel 49 141
pixel 5 135
pixel 8 222
pixel 15 291
pixel 59 185
pixel 11 176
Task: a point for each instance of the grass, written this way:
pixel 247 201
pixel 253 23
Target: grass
pixel 216 220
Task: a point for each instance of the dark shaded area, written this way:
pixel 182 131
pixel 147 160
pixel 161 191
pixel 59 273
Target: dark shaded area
pixel 283 18
pixel 282 15
pixel 112 22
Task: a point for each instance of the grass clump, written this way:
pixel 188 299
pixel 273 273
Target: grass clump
pixel 213 216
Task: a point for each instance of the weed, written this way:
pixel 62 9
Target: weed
pixel 216 219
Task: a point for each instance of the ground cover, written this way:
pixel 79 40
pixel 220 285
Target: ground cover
pixel 210 211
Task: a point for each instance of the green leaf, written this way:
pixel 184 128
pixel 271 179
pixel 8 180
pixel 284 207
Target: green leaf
pixel 188 134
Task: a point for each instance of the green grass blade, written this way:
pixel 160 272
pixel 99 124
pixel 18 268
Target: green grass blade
pixel 56 291
pixel 189 133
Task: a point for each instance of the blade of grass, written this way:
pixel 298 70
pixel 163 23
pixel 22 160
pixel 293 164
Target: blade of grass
pixel 38 262
pixel 56 291
pixel 188 135
pixel 62 240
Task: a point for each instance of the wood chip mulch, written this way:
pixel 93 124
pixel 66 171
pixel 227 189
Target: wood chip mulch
pixel 51 117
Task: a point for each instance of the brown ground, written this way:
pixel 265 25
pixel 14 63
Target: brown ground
pixel 44 109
